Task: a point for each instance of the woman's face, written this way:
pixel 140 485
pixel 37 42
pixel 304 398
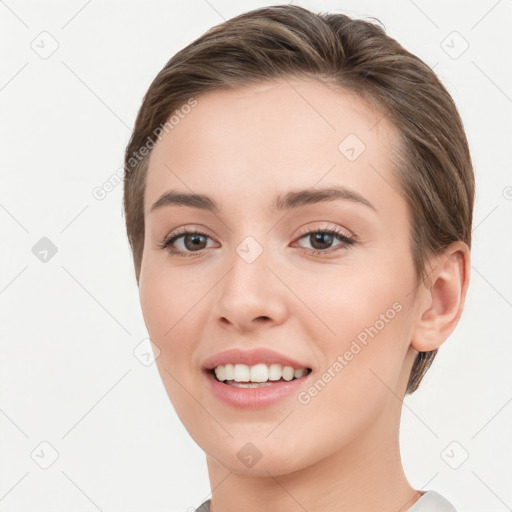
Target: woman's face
pixel 259 276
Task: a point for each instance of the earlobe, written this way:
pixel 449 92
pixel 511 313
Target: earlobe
pixel 442 298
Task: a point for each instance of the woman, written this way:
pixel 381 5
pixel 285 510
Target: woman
pixel 298 200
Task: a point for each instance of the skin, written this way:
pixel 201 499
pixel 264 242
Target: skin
pixel 244 147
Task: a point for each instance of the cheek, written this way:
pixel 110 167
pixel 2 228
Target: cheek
pixel 169 303
pixel 350 299
pixel 367 315
pixel 362 362
pixel 157 303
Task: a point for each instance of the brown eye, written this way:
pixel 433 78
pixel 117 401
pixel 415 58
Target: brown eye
pixel 193 242
pixel 185 243
pixel 322 240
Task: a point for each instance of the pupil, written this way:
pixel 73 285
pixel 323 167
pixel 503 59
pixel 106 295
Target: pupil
pixel 195 242
pixel 320 237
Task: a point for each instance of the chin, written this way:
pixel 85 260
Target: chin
pixel 262 457
pixel 275 465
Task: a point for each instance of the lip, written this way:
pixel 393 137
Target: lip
pixel 251 358
pixel 255 398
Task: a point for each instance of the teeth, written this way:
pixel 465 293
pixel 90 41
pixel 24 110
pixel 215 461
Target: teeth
pixel 274 372
pixel 258 373
pixel 242 373
pixel 230 372
pixel 299 373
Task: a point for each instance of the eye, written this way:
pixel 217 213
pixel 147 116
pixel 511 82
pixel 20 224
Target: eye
pixel 190 241
pixel 322 240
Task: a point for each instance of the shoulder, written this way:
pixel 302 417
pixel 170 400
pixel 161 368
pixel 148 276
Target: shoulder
pixel 204 507
pixel 431 501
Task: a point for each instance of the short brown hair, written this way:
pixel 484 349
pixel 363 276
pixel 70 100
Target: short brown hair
pixel 433 161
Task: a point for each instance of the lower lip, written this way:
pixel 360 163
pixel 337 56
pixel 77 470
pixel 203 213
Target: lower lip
pixel 254 398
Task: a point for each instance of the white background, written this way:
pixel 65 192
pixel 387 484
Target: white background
pixel 68 373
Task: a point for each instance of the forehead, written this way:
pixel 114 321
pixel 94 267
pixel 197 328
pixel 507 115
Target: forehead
pixel 259 140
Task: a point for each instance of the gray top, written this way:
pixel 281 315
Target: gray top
pixel 430 501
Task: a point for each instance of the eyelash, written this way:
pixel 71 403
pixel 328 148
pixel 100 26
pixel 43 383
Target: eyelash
pixel 167 242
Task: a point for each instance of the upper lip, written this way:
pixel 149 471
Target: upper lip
pixel 250 358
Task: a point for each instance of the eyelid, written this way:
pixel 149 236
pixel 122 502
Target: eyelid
pixel 188 229
pixel 307 230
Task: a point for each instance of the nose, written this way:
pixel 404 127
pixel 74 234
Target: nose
pixel 250 296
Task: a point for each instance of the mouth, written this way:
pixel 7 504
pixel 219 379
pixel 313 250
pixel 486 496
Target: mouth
pixel 261 375
pixel 255 387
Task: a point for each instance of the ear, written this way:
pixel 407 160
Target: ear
pixel 441 297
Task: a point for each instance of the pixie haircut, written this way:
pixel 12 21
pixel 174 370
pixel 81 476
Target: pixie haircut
pixel 431 157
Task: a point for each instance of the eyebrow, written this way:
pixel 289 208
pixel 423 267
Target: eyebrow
pixel 291 200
